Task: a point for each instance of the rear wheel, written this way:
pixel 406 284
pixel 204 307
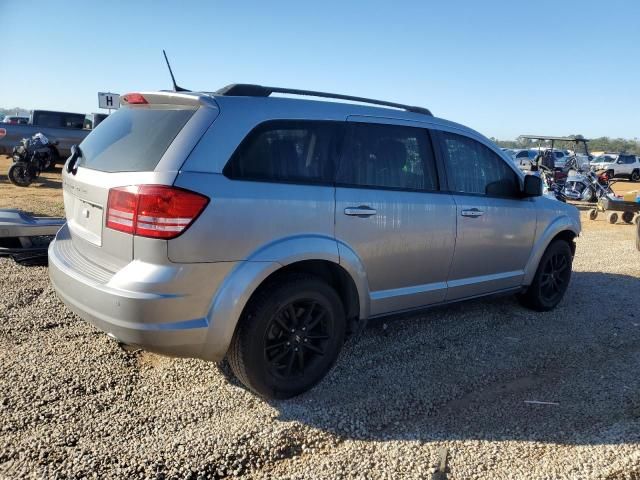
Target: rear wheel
pixel 289 337
pixel 627 217
pixel 593 214
pixel 19 174
pixel 51 162
pixel 635 176
pixel 551 279
pixel 612 217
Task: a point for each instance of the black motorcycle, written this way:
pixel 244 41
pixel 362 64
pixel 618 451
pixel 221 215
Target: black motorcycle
pixel 30 158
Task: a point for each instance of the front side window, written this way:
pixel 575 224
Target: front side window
pixel 387 156
pixel 473 168
pixel 299 151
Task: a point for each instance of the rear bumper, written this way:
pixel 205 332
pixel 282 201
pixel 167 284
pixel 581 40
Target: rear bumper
pixel 160 308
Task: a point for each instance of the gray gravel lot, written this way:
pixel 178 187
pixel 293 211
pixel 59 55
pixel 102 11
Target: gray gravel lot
pixel 74 405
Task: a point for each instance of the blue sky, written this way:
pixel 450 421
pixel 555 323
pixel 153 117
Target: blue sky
pixel 502 67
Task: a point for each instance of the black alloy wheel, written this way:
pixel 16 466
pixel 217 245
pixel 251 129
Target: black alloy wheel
pixel 555 277
pixel 289 336
pixel 552 278
pixel 296 338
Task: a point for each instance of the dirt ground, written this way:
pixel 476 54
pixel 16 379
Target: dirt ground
pixel 43 197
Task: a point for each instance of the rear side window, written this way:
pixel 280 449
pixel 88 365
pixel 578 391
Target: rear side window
pixel 473 168
pixel 297 151
pixel 388 156
pixel 133 139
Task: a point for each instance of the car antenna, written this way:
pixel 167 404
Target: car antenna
pixel 176 88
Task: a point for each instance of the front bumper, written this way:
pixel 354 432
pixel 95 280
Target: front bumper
pixel 160 308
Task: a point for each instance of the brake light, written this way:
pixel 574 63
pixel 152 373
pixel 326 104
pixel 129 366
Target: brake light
pixel 134 99
pixel 154 211
pixel 3 132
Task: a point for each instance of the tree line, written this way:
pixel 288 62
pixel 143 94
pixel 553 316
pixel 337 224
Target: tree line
pixel 606 144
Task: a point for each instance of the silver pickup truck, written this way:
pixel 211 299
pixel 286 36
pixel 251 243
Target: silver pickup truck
pixel 67 128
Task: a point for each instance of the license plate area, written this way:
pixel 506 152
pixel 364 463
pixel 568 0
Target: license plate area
pixel 87 220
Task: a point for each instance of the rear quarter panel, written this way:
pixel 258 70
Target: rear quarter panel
pixel 244 218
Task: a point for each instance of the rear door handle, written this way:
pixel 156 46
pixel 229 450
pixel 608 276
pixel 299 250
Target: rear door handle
pixel 472 212
pixel 360 211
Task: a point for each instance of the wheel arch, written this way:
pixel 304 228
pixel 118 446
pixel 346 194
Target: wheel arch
pixel 562 228
pixel 314 255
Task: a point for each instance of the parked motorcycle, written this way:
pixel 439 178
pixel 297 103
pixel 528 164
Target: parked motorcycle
pixel 30 158
pixel 587 186
pixel 551 188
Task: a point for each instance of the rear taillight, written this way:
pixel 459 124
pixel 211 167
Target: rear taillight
pixel 134 99
pixel 155 211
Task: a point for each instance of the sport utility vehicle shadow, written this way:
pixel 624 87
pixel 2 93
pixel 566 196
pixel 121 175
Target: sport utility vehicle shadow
pixel 466 371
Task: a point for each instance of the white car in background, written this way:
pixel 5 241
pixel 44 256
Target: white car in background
pixel 523 158
pixel 619 165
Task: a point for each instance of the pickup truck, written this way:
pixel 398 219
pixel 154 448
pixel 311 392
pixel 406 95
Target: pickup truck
pixel 67 128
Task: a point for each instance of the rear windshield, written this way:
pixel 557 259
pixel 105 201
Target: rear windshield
pixel 133 139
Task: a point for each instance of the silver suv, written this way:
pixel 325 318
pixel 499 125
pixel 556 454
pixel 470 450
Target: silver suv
pixel 267 229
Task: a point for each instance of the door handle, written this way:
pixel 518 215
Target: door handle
pixel 472 212
pixel 360 211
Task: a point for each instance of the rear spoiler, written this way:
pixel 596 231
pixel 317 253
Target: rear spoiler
pixel 166 97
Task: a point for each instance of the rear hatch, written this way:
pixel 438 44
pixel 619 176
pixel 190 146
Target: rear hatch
pixel 143 143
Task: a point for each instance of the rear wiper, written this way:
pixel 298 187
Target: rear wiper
pixel 76 153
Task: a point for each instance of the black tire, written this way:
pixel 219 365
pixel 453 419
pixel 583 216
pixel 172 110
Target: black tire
pixel 612 217
pixel 53 161
pixel 551 279
pixel 19 174
pixel 593 214
pixel 610 174
pixel 635 176
pixel 627 217
pixel 272 352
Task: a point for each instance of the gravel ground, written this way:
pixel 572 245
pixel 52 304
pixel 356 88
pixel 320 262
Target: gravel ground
pixel 74 405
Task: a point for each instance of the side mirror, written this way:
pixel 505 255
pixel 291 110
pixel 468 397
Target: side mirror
pixel 532 186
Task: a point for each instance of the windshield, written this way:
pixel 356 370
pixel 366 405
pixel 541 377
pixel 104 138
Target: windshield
pixel 133 139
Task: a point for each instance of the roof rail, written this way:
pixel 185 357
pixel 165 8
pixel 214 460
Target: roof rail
pixel 248 90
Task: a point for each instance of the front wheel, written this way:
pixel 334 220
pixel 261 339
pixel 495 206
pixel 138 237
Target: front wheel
pixel 20 175
pixel 551 280
pixel 289 337
pixel 589 194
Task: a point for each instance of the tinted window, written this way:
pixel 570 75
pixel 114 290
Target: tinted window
pixel 73 121
pixel 59 119
pixel 51 120
pixel 294 151
pixel 132 139
pixel 522 154
pixel 473 168
pixel 388 156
